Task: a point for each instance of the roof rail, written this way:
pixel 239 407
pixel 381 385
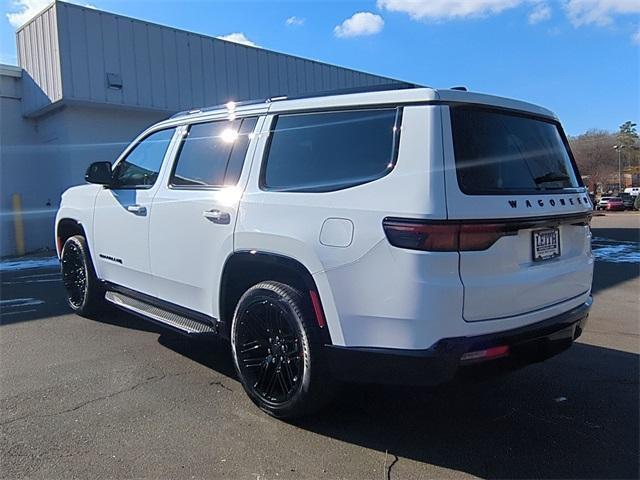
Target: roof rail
pixel 342 91
pixel 231 105
pixel 346 91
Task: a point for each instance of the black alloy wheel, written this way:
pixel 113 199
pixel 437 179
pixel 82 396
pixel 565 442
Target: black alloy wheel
pixel 85 294
pixel 74 274
pixel 278 351
pixel 269 351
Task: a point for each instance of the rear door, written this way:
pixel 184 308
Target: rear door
pixel 510 176
pixel 194 211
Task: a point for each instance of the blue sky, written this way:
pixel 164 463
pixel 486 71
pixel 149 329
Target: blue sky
pixel 580 58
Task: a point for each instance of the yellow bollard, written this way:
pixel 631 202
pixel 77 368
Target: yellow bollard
pixel 18 223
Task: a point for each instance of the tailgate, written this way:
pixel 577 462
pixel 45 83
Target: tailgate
pixel 513 173
pixel 505 280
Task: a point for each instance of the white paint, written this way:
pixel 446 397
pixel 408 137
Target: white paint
pixel 336 232
pixel 373 294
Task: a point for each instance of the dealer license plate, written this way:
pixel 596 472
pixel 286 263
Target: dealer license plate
pixel 546 244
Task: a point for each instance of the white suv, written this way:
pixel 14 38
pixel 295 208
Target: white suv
pixel 392 236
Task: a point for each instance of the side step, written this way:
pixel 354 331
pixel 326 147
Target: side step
pixel 180 322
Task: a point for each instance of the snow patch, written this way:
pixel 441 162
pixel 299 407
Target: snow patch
pixel 26 263
pixel 615 251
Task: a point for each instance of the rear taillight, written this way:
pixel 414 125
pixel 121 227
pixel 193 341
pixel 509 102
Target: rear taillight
pixel 444 236
pixel 482 236
pixel 422 236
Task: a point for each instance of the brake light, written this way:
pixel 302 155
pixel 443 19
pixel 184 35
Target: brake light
pixel 482 236
pixel 422 236
pixel 444 237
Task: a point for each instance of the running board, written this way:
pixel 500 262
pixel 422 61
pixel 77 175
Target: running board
pixel 180 322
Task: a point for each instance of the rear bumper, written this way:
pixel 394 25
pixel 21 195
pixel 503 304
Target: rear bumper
pixel 441 362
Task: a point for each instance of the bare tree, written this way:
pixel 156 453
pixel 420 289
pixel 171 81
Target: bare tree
pixel 595 155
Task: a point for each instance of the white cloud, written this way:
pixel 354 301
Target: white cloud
pixel 238 37
pixel 25 11
pixel 294 21
pixel 541 12
pixel 635 38
pixel 447 9
pixel 599 12
pixel 361 23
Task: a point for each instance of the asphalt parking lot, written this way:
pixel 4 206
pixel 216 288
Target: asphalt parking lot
pixel 119 397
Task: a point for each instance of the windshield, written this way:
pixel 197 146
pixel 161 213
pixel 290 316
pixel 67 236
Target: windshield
pixel 498 152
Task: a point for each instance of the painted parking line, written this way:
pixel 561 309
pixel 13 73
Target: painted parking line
pixel 45 280
pixel 20 302
pixel 40 275
pixel 18 312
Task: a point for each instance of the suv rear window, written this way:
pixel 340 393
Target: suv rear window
pixel 499 152
pixel 328 151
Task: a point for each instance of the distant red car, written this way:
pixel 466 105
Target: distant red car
pixel 615 203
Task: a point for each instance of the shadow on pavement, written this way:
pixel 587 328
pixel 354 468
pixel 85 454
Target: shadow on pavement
pixel 213 353
pixel 608 274
pixel 573 416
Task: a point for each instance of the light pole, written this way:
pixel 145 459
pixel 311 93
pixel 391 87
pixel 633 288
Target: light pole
pixel 619 149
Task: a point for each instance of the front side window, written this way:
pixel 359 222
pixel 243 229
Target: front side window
pixel 322 152
pixel 499 152
pixel 212 154
pixel 141 166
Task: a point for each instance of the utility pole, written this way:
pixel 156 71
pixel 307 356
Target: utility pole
pixel 619 149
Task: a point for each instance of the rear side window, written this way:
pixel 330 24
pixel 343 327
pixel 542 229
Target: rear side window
pixel 212 154
pixel 498 152
pixel 322 152
pixel 140 168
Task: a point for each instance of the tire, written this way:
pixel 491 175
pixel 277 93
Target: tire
pixel 277 351
pixel 85 295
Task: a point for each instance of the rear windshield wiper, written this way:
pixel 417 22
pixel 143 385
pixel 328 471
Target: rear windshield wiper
pixel 551 177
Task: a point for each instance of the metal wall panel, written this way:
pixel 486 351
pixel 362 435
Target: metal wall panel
pixel 39 56
pixel 71 51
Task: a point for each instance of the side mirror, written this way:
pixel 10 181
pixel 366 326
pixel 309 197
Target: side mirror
pixel 100 173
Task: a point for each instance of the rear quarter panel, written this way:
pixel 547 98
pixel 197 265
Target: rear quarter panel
pixel 290 224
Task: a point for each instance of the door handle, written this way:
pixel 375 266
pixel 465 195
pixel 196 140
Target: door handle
pixel 137 209
pixel 216 216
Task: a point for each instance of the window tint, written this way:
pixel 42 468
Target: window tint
pixel 212 153
pixel 239 151
pixel 328 151
pixel 141 166
pixel 500 152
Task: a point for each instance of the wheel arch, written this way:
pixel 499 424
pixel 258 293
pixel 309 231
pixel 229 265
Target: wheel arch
pixel 67 227
pixel 243 269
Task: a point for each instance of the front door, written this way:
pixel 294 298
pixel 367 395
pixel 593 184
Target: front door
pixel 122 213
pixel 194 212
